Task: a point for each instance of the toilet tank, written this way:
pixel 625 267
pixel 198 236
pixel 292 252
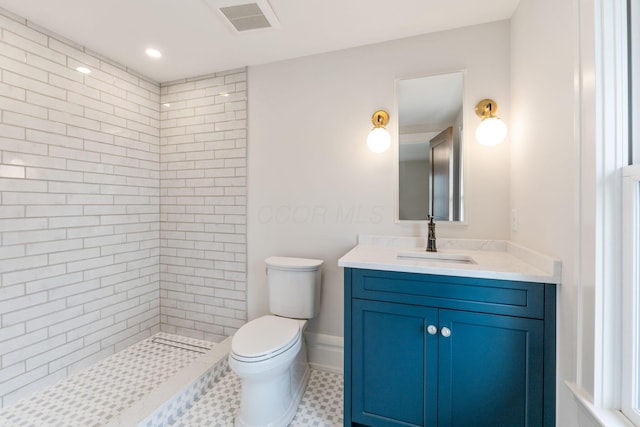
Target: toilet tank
pixel 294 286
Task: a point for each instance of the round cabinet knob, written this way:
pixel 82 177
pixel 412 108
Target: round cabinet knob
pixel 446 332
pixel 432 330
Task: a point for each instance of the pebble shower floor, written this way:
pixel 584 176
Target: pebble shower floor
pixel 96 395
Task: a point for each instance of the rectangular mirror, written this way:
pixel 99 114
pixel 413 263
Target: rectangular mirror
pixel 430 147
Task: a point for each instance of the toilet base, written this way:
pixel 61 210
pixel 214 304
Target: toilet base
pixel 284 392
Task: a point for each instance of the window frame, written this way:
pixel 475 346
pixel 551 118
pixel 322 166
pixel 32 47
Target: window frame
pixel 611 155
pixel 630 378
pixel 630 237
pixel 633 71
pixel 605 128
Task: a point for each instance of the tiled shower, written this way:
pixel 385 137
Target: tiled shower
pixel 122 207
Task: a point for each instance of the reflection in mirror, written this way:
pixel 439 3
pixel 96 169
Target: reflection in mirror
pixel 430 124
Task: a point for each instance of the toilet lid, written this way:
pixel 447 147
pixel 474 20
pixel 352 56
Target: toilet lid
pixel 264 336
pixel 293 264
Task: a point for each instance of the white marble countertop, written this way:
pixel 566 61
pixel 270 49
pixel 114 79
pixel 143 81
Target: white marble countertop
pixel 492 259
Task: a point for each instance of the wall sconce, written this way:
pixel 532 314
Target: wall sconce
pixel 379 138
pixel 491 130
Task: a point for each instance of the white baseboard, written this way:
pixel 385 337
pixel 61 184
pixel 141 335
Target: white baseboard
pixel 325 352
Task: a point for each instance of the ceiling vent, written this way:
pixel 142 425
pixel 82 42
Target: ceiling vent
pixel 243 16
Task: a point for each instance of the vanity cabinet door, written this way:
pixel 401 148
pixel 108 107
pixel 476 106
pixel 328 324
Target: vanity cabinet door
pixel 393 364
pixel 490 370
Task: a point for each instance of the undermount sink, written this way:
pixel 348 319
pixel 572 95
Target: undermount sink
pixel 437 257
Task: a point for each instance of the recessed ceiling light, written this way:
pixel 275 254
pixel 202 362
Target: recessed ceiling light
pixel 83 70
pixel 154 53
pixel 166 104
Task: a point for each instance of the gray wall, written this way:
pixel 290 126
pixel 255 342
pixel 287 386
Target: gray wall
pixel 314 185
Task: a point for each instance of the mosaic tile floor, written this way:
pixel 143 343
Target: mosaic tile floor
pixel 321 405
pixel 93 396
pixel 98 395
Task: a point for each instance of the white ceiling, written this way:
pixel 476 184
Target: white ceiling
pixel 195 39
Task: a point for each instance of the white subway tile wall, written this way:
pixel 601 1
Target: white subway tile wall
pixel 118 217
pixel 79 213
pixel 203 202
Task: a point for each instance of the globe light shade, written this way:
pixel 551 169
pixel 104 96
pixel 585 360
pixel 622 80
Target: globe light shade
pixel 491 131
pixel 379 140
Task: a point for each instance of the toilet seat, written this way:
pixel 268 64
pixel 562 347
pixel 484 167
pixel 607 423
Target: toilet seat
pixel 265 338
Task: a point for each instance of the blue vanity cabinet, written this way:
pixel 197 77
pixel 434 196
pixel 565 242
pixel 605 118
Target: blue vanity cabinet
pixel 429 350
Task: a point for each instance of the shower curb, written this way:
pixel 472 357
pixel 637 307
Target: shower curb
pixel 178 393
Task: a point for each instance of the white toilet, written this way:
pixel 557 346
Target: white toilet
pixel 269 353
